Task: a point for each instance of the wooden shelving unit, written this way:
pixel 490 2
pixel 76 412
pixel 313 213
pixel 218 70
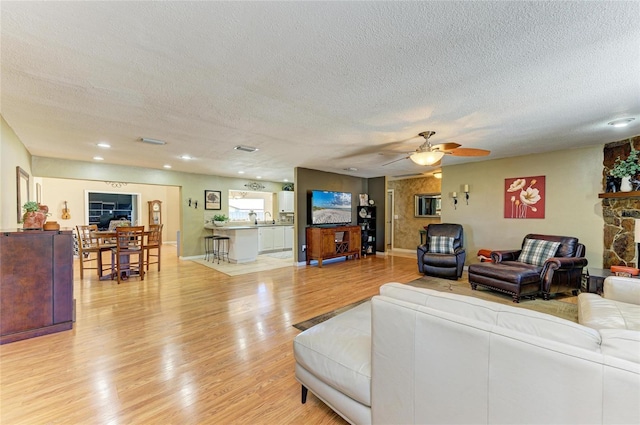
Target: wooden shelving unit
pixel 367 223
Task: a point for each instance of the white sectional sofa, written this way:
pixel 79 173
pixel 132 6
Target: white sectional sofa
pixel 415 356
pixel 617 308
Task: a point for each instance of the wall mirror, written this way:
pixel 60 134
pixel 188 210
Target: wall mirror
pixel 22 190
pixel 427 205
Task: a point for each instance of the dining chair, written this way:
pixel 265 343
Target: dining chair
pixel 154 241
pixel 90 248
pixel 129 243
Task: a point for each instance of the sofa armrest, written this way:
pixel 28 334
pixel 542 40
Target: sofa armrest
pixel 623 289
pixel 563 264
pixel 509 255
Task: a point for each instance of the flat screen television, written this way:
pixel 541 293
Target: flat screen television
pixel 330 207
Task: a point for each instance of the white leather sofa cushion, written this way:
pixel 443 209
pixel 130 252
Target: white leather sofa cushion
pixel 597 312
pixel 621 343
pixel 338 352
pixel 623 289
pixel 508 317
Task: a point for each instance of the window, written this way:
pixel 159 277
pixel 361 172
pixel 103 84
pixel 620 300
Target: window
pixel 241 204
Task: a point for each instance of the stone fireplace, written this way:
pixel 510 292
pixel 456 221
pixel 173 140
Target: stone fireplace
pixel 619 211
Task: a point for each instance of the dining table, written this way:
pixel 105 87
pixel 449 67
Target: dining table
pixel 110 235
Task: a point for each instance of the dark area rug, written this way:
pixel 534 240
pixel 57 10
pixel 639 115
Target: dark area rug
pixel 561 305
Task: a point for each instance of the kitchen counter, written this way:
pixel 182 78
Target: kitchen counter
pixel 243 241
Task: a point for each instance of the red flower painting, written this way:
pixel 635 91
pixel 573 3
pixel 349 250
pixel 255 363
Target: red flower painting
pixel 524 197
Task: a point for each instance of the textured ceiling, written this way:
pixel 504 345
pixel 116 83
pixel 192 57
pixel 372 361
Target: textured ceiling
pixel 323 85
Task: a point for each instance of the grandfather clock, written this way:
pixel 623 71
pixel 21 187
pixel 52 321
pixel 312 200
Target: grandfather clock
pixel 155 212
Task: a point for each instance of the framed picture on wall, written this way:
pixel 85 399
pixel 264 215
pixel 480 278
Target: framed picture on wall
pixel 22 190
pixel 524 197
pixel 212 200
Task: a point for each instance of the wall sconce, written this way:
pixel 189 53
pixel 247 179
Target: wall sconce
pixel 454 195
pixel 466 193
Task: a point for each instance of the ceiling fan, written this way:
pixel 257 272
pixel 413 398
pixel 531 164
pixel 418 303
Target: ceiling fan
pixel 428 154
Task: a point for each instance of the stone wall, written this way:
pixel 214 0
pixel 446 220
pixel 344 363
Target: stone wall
pixel 619 213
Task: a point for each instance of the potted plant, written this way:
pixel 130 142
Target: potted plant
pixel 34 215
pixel 625 169
pixel 220 219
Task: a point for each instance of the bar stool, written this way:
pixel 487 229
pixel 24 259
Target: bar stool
pixel 208 247
pixel 221 247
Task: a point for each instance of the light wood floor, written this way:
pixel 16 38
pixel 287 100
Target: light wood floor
pixel 188 345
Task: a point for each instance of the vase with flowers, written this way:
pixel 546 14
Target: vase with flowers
pixel 626 169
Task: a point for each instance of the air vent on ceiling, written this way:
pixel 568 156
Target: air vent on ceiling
pixel 245 148
pixel 153 141
pixel 408 175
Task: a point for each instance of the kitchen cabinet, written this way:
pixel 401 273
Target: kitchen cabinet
pixel 288 237
pixel 265 239
pixel 271 238
pixel 285 201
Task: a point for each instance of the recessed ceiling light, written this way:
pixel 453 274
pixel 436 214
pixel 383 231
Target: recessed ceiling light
pixel 98 158
pixel 240 172
pixel 167 166
pixel 104 145
pixel 351 169
pixel 286 180
pixel 186 157
pixel 258 177
pixel 622 122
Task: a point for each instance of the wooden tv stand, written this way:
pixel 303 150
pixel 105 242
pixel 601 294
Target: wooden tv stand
pixel 331 242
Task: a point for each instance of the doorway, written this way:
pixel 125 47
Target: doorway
pixel 390 220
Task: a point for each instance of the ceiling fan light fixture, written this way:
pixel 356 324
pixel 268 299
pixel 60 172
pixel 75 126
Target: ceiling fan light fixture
pixel 426 157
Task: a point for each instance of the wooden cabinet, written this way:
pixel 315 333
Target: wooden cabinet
pixel 331 242
pixel 285 201
pixel 36 283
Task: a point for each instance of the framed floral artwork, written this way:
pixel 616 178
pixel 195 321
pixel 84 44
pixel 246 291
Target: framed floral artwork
pixel 524 197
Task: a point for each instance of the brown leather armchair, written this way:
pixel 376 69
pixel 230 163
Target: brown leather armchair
pixel 560 273
pixel 447 265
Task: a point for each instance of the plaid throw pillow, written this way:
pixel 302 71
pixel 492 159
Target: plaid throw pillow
pixel 441 244
pixel 537 251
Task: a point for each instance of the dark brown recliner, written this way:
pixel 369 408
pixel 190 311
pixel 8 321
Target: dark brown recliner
pixel 561 273
pixel 446 265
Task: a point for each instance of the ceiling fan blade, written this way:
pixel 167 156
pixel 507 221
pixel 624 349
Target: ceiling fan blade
pixel 395 160
pixel 469 152
pixel 446 146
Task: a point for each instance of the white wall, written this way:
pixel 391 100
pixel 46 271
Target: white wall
pixel 573 181
pixel 12 154
pixel 55 191
pixel 192 186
